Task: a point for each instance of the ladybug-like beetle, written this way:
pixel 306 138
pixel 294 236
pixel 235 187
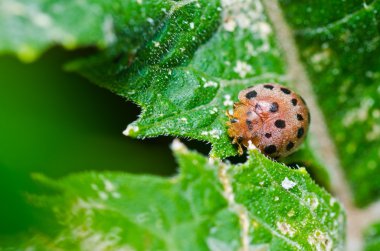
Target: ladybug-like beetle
pixel 272 117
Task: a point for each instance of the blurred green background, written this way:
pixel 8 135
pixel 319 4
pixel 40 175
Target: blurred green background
pixel 55 122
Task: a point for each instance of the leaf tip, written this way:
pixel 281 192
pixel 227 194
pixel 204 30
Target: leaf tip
pixel 178 146
pixel 44 181
pixel 37 176
pixel 131 130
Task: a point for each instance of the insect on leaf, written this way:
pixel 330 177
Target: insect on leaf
pixel 189 72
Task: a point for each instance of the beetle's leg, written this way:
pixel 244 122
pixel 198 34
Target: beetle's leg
pixel 229 115
pixel 240 149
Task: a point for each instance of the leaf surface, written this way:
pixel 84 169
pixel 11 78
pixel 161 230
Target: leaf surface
pixel 28 28
pixel 184 62
pixel 189 73
pixel 372 237
pixel 209 205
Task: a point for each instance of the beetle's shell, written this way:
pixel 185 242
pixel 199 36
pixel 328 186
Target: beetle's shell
pixel 272 116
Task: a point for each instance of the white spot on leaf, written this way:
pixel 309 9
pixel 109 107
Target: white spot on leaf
pixel 242 20
pixel 313 202
pixel 291 213
pixel 184 119
pixel 227 100
pixel 214 110
pixel 288 184
pixel 242 68
pixel 116 195
pixel 210 84
pixel 150 20
pixel 103 195
pixel 215 133
pixel 374 134
pixel 42 20
pixel 229 24
pixel 108 30
pixel 264 28
pixel 359 114
pixel 214 244
pixel 108 185
pixel 321 59
pixel 94 187
pixel 321 241
pixel 285 229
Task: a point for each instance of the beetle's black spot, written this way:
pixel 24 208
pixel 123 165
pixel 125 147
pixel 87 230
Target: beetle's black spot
pixel 299 117
pixel 300 132
pixel 249 124
pixel 251 94
pixel 279 123
pixel 273 107
pixel 309 117
pixel 268 135
pixel 286 91
pixel 294 101
pixel 239 139
pixel 233 120
pixel 289 146
pixel 270 87
pixel 270 149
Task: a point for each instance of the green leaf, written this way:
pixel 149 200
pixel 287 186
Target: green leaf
pixel 305 157
pixel 189 73
pixel 28 28
pixel 339 42
pixel 209 205
pixel 372 238
pixel 183 62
